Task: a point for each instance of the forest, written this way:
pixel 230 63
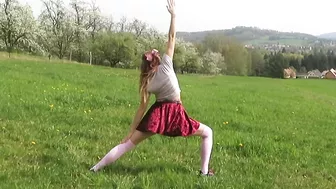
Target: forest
pixel 80 32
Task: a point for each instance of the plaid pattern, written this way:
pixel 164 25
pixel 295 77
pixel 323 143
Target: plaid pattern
pixel 169 119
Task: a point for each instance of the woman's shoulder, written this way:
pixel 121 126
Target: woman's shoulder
pixel 166 57
pixel 167 62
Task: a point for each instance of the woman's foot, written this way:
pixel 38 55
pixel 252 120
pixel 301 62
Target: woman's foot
pixel 93 169
pixel 209 174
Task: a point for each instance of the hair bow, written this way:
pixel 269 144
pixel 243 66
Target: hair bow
pixel 149 55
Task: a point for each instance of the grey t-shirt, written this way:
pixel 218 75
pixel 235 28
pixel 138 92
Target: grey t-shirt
pixel 164 84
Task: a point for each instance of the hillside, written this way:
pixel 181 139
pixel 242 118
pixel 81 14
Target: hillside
pixel 328 36
pixel 58 119
pixel 256 36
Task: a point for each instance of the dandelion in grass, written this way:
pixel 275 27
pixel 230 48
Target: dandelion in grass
pixel 51 106
pixel 33 142
pixel 241 145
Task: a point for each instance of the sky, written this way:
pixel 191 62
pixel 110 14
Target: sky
pixel 314 17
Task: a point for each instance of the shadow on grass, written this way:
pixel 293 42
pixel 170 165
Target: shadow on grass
pixel 149 168
pixel 121 169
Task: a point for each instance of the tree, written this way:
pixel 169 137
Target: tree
pixel 192 61
pixel 138 27
pixel 275 65
pixel 283 50
pixel 294 60
pixel 96 21
pixel 258 63
pixel 116 49
pixel 308 62
pixel 81 26
pixel 57 24
pixel 213 63
pixel 237 58
pixel 17 24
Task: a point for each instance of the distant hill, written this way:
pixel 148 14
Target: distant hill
pixel 256 36
pixel 328 35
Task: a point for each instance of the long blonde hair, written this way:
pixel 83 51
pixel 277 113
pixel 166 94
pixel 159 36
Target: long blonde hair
pixel 147 72
pixel 144 80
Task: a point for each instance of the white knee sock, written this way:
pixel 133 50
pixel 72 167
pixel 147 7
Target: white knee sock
pixel 206 149
pixel 114 154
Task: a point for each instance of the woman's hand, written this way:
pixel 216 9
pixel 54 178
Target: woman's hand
pixel 171 7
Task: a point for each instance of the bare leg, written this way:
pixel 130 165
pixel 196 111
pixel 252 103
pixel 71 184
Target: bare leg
pixel 119 150
pixel 139 136
pixel 207 139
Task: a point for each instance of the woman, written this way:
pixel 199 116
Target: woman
pixel 166 116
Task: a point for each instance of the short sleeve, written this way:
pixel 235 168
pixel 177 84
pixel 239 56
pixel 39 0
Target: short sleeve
pixel 167 63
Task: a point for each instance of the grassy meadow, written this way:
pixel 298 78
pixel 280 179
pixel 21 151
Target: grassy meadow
pixel 59 119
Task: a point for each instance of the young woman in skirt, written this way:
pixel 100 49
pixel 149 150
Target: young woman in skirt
pixel 167 115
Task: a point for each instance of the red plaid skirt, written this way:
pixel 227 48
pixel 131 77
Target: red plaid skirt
pixel 169 119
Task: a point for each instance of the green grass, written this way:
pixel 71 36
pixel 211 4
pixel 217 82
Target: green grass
pixel 74 114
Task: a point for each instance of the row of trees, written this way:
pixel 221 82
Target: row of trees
pixel 80 29
pixel 273 63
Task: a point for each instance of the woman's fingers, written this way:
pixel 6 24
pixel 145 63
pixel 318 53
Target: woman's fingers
pixel 170 6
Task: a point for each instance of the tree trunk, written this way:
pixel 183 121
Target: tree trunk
pixel 9 50
pixel 90 58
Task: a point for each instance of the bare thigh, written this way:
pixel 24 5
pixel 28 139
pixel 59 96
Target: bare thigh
pixel 139 136
pixel 200 130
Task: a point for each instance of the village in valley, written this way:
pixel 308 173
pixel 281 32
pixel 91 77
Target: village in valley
pixel 313 74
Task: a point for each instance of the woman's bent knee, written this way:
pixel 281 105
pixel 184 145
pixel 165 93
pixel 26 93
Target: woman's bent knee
pixel 203 131
pixel 207 131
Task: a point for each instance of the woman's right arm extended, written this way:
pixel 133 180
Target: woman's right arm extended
pixel 172 31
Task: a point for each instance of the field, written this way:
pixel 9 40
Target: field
pixel 286 41
pixel 58 119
